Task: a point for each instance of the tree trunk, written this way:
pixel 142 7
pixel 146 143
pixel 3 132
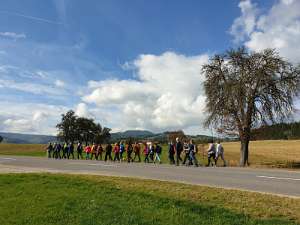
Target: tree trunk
pixel 244 152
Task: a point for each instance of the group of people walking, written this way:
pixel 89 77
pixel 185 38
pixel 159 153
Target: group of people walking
pixel 118 152
pixel 184 153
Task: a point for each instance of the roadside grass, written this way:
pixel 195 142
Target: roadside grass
pixel 273 153
pixel 23 149
pixel 78 199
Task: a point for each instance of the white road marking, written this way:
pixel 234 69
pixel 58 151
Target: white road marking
pixel 280 178
pixel 91 164
pixel 98 164
pixel 8 158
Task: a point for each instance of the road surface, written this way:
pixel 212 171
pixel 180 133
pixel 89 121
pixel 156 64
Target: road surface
pixel 272 181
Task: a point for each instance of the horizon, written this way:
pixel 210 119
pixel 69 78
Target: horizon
pixel 130 66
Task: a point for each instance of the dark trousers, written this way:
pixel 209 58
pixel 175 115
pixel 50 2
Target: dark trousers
pixel 186 158
pixel 146 158
pixel 79 154
pixel 178 158
pixel 151 156
pixel 129 158
pixel 64 152
pixel 209 157
pixel 171 158
pixel 69 154
pixel 193 159
pixel 137 154
pixel 99 156
pixel 117 156
pixel 107 155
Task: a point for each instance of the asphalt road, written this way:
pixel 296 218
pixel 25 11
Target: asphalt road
pixel 272 181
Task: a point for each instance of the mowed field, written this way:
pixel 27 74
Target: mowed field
pixel 273 153
pixel 81 199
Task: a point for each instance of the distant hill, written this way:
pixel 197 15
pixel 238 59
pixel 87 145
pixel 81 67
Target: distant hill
pixel 18 138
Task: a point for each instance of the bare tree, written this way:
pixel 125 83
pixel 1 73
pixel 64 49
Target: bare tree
pixel 245 90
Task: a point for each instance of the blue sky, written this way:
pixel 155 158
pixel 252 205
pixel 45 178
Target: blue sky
pixel 129 64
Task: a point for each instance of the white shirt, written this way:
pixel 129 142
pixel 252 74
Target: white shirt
pixel 219 149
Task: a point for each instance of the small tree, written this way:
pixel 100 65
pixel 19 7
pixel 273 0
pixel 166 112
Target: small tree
pixel 67 127
pixel 245 90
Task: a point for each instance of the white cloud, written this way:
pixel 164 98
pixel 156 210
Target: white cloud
pixel 166 94
pixel 278 28
pixel 34 88
pixel 13 35
pixel 59 83
pixel 82 110
pixel 30 118
pixel 245 24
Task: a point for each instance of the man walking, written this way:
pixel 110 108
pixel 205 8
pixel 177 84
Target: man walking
pixel 108 151
pixel 137 151
pixel 220 152
pixel 49 150
pixel 171 153
pixel 192 152
pixel 158 151
pixel 211 154
pixel 186 151
pixel 79 150
pixel 178 148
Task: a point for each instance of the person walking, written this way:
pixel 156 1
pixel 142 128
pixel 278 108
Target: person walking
pixel 186 151
pixel 79 150
pixel 49 149
pixel 70 151
pixel 171 153
pixel 65 150
pixel 179 148
pixel 87 150
pixel 99 152
pixel 137 151
pixel 94 151
pixel 193 152
pixel 117 152
pixel 57 150
pixel 158 150
pixel 151 152
pixel 122 150
pixel 129 152
pixel 211 154
pixel 146 153
pixel 108 151
pixel 220 152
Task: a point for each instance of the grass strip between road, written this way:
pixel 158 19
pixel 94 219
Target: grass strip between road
pixel 86 199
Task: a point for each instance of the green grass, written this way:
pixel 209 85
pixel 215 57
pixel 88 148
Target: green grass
pixel 22 149
pixel 73 199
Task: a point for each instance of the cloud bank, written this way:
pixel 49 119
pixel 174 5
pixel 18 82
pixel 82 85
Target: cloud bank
pixel 166 93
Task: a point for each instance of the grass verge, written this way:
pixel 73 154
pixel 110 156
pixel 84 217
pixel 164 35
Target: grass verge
pixel 77 199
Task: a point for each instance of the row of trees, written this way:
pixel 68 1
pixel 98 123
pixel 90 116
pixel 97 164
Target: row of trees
pixel 277 132
pixel 80 129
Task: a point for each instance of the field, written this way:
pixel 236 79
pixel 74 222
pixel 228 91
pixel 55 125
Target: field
pixel 280 154
pixel 78 199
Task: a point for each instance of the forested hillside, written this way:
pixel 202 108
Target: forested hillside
pixel 278 131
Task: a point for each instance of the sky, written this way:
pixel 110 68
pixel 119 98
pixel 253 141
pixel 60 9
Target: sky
pixel 132 64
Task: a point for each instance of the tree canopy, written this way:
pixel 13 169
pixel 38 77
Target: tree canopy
pixel 73 128
pixel 246 89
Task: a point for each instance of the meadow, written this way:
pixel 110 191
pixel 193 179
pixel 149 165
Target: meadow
pixel 78 199
pixel 273 153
